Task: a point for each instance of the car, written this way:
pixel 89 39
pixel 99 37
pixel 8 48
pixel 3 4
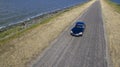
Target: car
pixel 78 29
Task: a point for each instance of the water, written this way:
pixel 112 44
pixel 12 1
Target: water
pixel 13 11
pixel 116 1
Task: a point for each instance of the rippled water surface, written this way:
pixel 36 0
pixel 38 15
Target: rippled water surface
pixel 12 11
pixel 116 1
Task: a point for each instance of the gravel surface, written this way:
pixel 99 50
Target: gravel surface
pixel 86 51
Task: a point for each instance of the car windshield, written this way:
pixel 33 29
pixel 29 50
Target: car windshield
pixel 79 26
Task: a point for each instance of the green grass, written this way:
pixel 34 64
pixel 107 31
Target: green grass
pixel 114 5
pixel 17 31
pixel 6 35
pixel 10 31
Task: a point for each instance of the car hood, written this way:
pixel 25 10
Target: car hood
pixel 77 30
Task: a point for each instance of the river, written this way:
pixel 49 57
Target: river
pixel 116 1
pixel 13 11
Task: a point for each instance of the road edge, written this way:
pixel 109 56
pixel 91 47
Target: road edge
pixel 109 61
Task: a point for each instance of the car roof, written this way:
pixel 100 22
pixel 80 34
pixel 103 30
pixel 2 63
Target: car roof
pixel 77 23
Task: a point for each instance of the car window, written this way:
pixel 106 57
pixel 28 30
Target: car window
pixel 79 26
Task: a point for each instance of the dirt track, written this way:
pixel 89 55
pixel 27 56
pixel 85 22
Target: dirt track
pixel 86 51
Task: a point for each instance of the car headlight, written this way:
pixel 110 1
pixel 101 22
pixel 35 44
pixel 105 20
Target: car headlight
pixel 80 33
pixel 71 32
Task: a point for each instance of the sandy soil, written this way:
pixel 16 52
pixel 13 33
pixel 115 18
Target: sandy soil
pixel 112 22
pixel 27 47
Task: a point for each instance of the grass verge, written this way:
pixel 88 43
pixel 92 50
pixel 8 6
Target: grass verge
pixel 17 31
pixel 114 5
pixel 112 23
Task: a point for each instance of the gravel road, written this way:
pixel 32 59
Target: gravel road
pixel 86 51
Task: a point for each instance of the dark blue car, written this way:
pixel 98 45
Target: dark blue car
pixel 78 29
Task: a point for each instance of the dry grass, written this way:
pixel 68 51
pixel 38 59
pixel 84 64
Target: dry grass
pixel 112 23
pixel 23 49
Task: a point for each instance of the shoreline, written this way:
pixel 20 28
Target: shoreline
pixel 7 35
pixel 114 2
pixel 39 16
pixel 8 21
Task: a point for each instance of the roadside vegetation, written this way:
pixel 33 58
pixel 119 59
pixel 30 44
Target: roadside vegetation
pixel 111 15
pixel 114 5
pixel 26 44
pixel 18 30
